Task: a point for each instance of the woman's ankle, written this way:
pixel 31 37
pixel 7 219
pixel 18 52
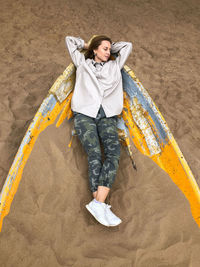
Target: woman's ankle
pixel 94 194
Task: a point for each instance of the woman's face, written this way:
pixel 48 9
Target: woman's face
pixel 103 51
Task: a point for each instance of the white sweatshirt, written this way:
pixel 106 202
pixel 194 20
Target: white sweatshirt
pixel 95 87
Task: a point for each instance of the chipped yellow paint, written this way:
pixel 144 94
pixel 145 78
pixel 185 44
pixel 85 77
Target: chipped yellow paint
pixel 67 112
pixel 171 160
pixel 179 171
pixel 64 83
pixel 135 132
pixel 137 113
pixel 41 123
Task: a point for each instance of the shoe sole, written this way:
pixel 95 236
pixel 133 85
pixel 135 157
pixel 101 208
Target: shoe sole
pixel 112 225
pixel 93 214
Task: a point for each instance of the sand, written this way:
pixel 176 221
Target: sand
pixel 48 224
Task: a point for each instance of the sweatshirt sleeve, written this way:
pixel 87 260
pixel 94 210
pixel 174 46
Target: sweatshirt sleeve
pixel 74 44
pixel 123 49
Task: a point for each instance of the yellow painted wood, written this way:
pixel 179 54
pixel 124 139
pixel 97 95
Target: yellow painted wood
pixel 135 132
pixel 41 124
pixel 67 112
pixel 170 158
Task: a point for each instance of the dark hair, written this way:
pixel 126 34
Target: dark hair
pixel 95 43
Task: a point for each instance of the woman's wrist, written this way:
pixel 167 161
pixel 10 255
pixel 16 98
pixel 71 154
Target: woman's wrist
pixel 86 45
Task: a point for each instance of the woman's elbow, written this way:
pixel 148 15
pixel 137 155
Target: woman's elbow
pixel 67 39
pixel 130 46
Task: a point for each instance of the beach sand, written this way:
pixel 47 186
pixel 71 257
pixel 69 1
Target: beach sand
pixel 48 224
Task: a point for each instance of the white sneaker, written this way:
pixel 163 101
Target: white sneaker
pixel 98 210
pixel 111 217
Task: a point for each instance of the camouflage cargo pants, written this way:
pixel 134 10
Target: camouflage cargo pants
pixel 90 132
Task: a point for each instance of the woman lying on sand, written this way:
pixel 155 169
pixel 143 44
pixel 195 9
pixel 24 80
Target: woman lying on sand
pixel 97 100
